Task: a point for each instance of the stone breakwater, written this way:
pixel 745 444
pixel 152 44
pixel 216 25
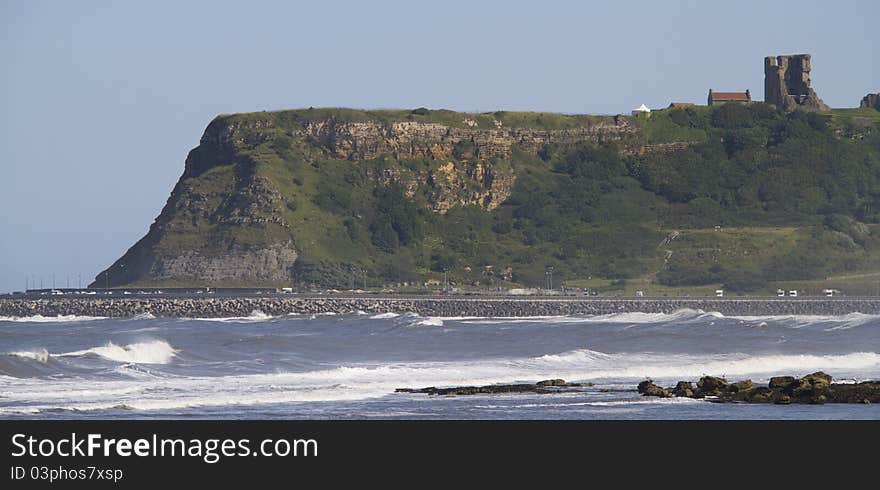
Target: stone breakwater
pixel 428 306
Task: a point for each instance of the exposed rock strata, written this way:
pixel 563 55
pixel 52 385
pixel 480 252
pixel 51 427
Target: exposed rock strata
pixel 268 265
pixel 407 139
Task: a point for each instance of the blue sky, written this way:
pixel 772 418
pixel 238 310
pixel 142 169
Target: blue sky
pixel 102 100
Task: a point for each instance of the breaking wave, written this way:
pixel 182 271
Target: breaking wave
pixel 382 316
pixel 255 316
pixel 50 319
pixel 152 352
pixel 39 355
pixel 356 382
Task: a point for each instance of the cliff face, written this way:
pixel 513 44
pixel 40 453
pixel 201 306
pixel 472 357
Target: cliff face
pixel 232 219
pixel 338 197
pixel 366 140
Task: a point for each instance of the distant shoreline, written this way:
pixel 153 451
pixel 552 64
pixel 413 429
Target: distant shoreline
pixel 449 306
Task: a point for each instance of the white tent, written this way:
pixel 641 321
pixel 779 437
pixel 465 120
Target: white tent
pixel 642 109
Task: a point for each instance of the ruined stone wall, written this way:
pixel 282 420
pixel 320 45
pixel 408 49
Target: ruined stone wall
pixel 871 101
pixel 787 83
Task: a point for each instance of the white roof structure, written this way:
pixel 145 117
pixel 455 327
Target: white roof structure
pixel 642 108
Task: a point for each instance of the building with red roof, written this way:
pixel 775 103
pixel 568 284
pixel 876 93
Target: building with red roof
pixel 716 98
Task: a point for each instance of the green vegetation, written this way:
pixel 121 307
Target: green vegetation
pixel 759 199
pixel 862 113
pixel 483 120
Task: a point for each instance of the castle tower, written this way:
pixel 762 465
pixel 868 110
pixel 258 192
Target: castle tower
pixel 787 83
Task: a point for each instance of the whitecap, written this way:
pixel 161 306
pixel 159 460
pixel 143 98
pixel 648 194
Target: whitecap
pixel 39 355
pixel 50 319
pixel 151 352
pixel 382 316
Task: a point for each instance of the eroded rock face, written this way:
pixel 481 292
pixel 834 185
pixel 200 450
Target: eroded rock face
pixel 408 139
pixel 272 264
pixel 469 183
pixel 787 83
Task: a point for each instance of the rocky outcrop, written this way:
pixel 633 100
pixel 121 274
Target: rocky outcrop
pixel 268 265
pixel 456 183
pixel 787 83
pixel 648 388
pixel 410 139
pixel 673 147
pixel 546 386
pixel 815 388
pixel 469 183
pixel 870 101
pixel 236 215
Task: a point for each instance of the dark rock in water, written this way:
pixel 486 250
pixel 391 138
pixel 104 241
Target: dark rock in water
pixel 865 392
pixel 810 386
pixel 780 382
pixel 740 386
pixel 760 394
pixel 648 388
pixel 551 382
pixel 684 388
pixel 816 388
pixel 546 386
pixel 818 380
pixel 711 386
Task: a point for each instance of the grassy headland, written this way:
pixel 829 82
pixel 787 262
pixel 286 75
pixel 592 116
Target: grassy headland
pixel 758 199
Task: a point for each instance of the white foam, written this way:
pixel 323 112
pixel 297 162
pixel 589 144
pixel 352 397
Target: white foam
pixel 152 352
pixel 143 391
pixel 624 317
pixel 143 316
pixel 382 316
pixel 255 316
pixel 39 355
pixel 840 322
pixel 49 319
pixel 431 321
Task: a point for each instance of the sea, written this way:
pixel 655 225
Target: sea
pixel 348 365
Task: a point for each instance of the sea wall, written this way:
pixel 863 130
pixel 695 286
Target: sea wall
pixel 430 306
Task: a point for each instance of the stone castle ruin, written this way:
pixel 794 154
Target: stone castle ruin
pixel 787 83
